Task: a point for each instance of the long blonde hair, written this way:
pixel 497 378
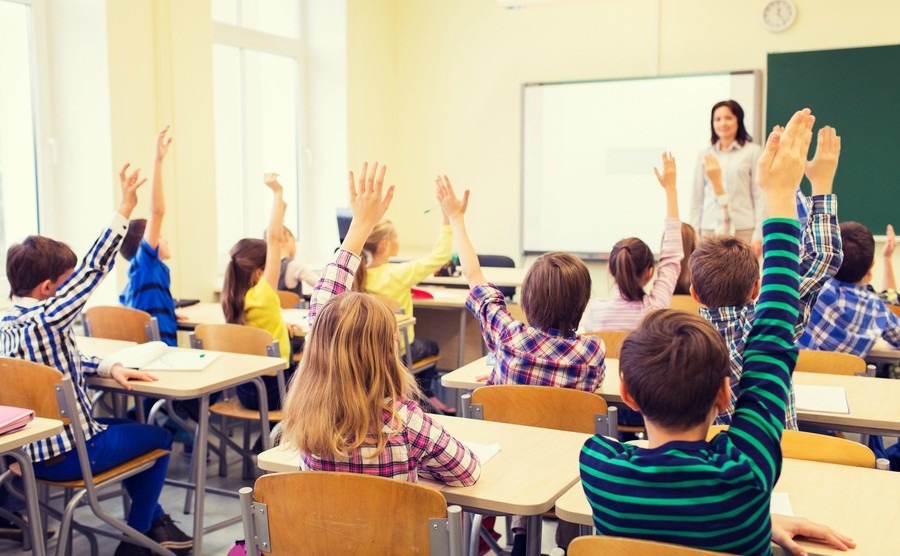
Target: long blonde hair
pixel 350 375
pixel 381 232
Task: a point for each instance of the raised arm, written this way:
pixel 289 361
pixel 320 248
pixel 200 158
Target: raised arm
pixel 157 197
pixel 699 187
pixel 672 250
pixel 713 172
pixel 454 209
pixel 889 282
pixel 275 231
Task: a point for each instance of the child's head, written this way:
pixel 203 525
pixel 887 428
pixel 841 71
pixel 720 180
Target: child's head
pixel 38 266
pixel 248 260
pixel 674 366
pixel 689 244
pixel 859 253
pixel 289 244
pixel 351 373
pixel 555 292
pixel 631 265
pixel 724 272
pixel 132 241
pixel 382 242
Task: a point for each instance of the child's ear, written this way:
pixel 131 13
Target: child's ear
pixel 626 397
pixel 723 396
pixel 756 287
pixel 694 295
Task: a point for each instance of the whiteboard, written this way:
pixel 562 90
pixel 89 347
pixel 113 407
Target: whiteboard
pixel 589 149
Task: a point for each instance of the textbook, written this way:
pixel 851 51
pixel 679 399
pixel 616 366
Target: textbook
pixel 14 418
pixel 157 356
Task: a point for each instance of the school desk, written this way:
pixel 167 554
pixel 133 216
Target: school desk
pixel 533 468
pixel 226 371
pixel 100 347
pixel 873 402
pixel 857 502
pixel 501 277
pixel 11 445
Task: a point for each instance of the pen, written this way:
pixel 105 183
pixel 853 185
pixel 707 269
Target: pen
pixel 432 208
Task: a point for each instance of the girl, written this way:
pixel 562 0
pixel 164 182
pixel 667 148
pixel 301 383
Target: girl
pixel 688 244
pixel 631 265
pixel 248 295
pixel 352 406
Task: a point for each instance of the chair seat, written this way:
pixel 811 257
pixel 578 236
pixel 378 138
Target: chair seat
pixel 425 363
pixel 234 409
pixel 109 474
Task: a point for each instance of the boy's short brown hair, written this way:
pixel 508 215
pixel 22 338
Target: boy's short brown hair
pixel 673 365
pixel 556 291
pixel 36 259
pixel 723 271
pixel 859 252
pixel 132 240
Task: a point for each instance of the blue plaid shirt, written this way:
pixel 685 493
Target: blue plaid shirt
pixel 820 259
pixel 850 318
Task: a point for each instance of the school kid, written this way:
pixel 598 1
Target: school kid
pixel 352 407
pixel 725 270
pixel 48 294
pixel 293 274
pixel 688 244
pixel 148 287
pixel 631 266
pixel 682 489
pixel 249 298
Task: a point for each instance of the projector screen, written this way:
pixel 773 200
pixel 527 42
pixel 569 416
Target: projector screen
pixel 589 149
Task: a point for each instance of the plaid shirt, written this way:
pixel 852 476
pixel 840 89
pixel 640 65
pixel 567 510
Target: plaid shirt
pixel 41 331
pixel 417 445
pixel 820 259
pixel 526 355
pixel 850 318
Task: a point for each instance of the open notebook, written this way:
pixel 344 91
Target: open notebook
pixel 157 356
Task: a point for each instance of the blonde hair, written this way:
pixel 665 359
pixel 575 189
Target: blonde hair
pixel 381 232
pixel 350 375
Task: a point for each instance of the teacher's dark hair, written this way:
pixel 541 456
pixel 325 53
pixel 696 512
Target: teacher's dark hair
pixel 742 135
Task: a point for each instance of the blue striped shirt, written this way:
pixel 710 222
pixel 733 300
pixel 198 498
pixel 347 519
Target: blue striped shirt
pixel 713 495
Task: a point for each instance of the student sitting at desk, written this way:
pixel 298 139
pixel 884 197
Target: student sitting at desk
pixel 293 274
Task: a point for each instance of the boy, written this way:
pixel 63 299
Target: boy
pixel 148 287
pixel 48 293
pixel 674 366
pixel 293 273
pixel 725 271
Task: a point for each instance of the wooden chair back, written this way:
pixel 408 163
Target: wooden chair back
pixel 685 303
pixel 30 385
pixel 347 513
pixel 829 362
pixel 288 300
pixel 619 546
pixel 894 309
pixel 233 338
pixel 562 409
pixel 117 323
pixel 819 447
pixel 613 340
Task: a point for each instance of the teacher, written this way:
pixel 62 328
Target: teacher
pixel 727 199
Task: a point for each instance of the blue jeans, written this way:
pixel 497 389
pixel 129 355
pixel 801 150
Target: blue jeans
pixel 122 441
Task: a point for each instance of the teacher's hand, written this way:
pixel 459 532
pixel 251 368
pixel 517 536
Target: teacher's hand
pixel 713 173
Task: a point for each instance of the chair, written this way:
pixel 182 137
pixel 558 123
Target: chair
pixel 499 261
pixel 613 340
pixel 619 546
pixel 289 300
pixel 894 309
pixel 829 362
pixel 51 395
pixel 120 323
pixel 685 303
pixel 818 447
pixel 313 512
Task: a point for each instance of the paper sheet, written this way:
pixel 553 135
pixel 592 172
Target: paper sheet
pixel 823 399
pixel 194 360
pixel 485 452
pixel 781 504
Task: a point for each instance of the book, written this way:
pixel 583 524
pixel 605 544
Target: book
pixel 157 356
pixel 13 419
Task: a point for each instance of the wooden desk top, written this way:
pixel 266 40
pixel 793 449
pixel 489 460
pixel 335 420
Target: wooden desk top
pixel 499 276
pixel 851 500
pixel 100 347
pixel 38 429
pixel 444 298
pixel 211 313
pixel 515 481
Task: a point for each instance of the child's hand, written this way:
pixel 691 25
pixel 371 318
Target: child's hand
pixel 821 169
pixel 781 165
pixel 713 172
pixel 667 178
pixel 451 205
pixel 271 181
pixel 130 184
pixel 890 243
pixel 785 528
pixel 368 201
pixel 162 144
pixel 123 374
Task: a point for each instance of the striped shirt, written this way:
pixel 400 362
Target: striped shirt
pixel 713 495
pixel 420 446
pixel 41 331
pixel 820 259
pixel 850 318
pixel 527 355
pixel 618 313
pixel 149 290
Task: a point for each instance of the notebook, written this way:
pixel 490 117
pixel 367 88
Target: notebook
pixel 822 399
pixel 14 418
pixel 157 356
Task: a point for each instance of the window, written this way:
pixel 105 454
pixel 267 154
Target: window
pixel 257 72
pixel 18 152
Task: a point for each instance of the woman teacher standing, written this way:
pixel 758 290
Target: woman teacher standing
pixel 727 199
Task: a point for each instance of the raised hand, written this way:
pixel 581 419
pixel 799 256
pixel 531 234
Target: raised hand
pixel 451 205
pixel 162 144
pixel 667 178
pixel 368 201
pixel 271 181
pixel 129 183
pixel 713 172
pixel 891 242
pixel 782 163
pixel 821 169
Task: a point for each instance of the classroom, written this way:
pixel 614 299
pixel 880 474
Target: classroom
pixel 310 89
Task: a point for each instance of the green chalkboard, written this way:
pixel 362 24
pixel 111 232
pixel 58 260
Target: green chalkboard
pixel 856 91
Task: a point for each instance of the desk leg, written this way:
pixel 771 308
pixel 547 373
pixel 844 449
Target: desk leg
pixel 200 451
pixel 533 546
pixel 29 486
pixel 461 354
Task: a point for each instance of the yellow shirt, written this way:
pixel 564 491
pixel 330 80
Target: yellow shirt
pixel 262 309
pixel 395 279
